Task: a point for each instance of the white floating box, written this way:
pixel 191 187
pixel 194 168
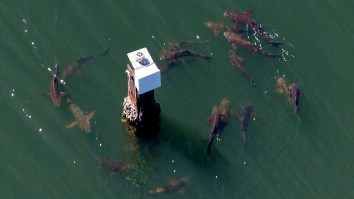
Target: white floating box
pixel 147 75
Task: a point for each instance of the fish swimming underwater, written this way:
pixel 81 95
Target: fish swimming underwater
pixel 244 116
pixel 173 46
pixel 174 185
pixel 292 92
pixel 81 120
pixel 237 40
pixel 116 166
pixel 294 98
pixel 236 61
pixel 225 110
pixel 55 94
pixel 174 55
pixel 245 18
pixel 218 27
pixel 282 86
pixel 75 67
pixel 215 120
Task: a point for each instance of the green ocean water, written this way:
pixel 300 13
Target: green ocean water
pixel 285 158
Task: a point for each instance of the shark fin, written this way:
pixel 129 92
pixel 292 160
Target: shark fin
pixel 279 90
pixel 78 72
pixel 254 114
pixel 174 182
pixel 63 94
pixel 236 27
pixel 47 95
pixel 104 52
pixel 234 45
pixel 182 190
pixel 216 31
pixel 90 115
pixel 249 12
pixel 73 124
pixel 233 113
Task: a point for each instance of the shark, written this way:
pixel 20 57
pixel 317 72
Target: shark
pixel 218 27
pixel 292 92
pixel 81 120
pixel 294 98
pixel 172 46
pixel 174 185
pixel 116 166
pixel 175 54
pixel 237 40
pixel 236 61
pixel 215 120
pixel 244 116
pixel 225 110
pixel 245 18
pixel 282 86
pixel 75 67
pixel 55 94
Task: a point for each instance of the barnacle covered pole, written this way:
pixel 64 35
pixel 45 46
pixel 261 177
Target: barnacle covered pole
pixel 141 112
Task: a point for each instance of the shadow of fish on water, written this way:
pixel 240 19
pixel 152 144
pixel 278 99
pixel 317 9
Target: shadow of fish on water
pixel 55 94
pixel 81 120
pixel 173 186
pixel 75 67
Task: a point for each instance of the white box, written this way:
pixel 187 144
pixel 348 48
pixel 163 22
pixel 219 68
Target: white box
pixel 147 75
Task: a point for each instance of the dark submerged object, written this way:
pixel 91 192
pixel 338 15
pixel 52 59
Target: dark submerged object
pixel 245 116
pixel 294 96
pixel 181 45
pixel 236 61
pixel 175 54
pixel 215 120
pixel 55 94
pixel 218 27
pixel 116 166
pixel 242 19
pixel 75 67
pixel 237 40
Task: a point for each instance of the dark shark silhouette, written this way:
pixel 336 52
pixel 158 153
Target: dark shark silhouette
pixel 215 120
pixel 244 116
pixel 245 18
pixel 55 94
pixel 236 61
pixel 176 54
pixel 75 67
pixel 237 40
pixel 116 166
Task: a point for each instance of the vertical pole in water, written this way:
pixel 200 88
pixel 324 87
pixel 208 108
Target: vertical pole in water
pixel 140 109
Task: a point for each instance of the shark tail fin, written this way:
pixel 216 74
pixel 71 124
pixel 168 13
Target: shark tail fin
pixel 249 12
pixel 276 44
pixel 47 95
pixel 298 117
pixel 104 53
pixel 69 101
